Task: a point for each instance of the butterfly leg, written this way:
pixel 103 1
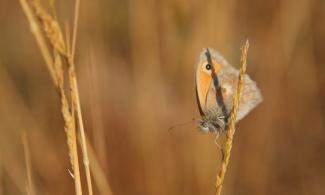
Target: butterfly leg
pixel 218 145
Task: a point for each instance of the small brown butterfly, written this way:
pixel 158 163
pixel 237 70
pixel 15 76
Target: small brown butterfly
pixel 216 82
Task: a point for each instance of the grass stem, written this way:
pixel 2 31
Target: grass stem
pixel 231 126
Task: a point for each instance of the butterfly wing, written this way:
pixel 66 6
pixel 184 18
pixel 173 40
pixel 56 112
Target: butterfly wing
pixel 250 95
pixel 205 87
pixel 226 76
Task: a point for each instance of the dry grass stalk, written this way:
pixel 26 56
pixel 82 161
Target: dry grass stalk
pixel 76 99
pixel 75 28
pixel 82 137
pixel 50 26
pixel 99 175
pixel 55 37
pixel 69 125
pixel 30 181
pixel 231 126
pixel 40 40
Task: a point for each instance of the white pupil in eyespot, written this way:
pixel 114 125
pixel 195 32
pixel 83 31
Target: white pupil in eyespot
pixel 208 66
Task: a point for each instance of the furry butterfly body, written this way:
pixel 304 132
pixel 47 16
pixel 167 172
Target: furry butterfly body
pixel 216 82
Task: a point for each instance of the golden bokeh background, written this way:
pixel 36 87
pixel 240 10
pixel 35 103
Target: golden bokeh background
pixel 135 66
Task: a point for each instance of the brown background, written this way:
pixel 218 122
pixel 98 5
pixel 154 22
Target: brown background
pixel 135 64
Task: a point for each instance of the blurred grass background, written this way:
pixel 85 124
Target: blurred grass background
pixel 135 63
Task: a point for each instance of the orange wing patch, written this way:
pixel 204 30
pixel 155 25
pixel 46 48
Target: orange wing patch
pixel 205 84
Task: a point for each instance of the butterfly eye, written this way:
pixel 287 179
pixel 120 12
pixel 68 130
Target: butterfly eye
pixel 203 126
pixel 208 66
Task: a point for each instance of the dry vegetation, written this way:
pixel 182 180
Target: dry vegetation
pixel 63 53
pixel 232 120
pixel 130 70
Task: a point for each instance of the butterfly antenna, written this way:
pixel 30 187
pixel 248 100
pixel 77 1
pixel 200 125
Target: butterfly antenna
pixel 180 124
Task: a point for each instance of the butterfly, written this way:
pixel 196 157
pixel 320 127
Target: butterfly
pixel 216 83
